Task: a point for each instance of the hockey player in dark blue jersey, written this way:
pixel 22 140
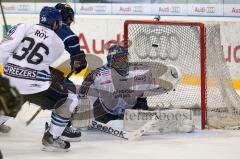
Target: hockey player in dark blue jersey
pixel 78 61
pixel 70 39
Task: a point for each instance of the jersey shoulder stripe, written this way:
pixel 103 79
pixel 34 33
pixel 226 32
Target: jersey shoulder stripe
pixel 103 70
pixel 74 46
pixel 68 37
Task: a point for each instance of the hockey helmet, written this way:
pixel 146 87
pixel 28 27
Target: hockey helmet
pixel 118 59
pixel 49 15
pixel 66 12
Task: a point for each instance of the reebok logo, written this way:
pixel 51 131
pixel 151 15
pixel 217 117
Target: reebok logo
pixel 108 129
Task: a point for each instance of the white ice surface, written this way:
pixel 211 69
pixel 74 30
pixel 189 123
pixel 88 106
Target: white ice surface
pixel 25 143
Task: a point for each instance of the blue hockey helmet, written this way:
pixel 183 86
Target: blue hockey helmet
pixel 49 15
pixel 66 12
pixel 114 51
pixel 118 59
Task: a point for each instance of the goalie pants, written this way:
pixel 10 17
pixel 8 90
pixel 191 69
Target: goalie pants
pixel 103 115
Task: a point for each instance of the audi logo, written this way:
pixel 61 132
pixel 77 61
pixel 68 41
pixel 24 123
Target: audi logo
pixel 156 45
pixel 210 10
pixel 175 9
pixel 100 8
pixel 138 9
pixel 23 8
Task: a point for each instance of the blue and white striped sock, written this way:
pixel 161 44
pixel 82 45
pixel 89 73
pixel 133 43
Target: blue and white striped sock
pixel 58 124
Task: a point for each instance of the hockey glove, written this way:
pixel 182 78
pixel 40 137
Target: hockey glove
pixel 172 75
pixel 58 81
pixel 78 62
pixel 141 103
pixel 10 99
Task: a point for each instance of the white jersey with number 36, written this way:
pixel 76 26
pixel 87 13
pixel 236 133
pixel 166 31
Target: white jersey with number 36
pixel 26 54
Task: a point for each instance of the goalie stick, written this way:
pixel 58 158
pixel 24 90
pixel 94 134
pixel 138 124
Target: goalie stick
pixel 40 109
pixel 136 134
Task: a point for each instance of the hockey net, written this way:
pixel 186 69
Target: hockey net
pixel 196 49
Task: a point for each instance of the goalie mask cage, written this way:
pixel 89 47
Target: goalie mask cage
pixel 196 49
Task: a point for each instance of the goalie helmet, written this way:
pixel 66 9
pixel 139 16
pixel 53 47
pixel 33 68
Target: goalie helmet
pixel 67 12
pixel 48 16
pixel 117 58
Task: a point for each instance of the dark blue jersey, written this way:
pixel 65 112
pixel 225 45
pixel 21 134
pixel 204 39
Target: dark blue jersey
pixel 71 43
pixel 70 40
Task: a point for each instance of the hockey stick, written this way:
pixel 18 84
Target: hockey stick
pixel 3 15
pixel 121 133
pixel 39 109
pixel 34 116
pixel 70 74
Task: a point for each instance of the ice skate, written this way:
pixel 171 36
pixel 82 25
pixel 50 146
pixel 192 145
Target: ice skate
pixel 52 144
pixel 71 134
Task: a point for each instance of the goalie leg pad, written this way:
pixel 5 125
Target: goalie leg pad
pixel 83 115
pixel 175 120
pixel 67 108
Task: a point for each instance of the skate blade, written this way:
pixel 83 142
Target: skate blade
pixel 77 139
pixel 4 133
pixel 53 149
pixel 4 129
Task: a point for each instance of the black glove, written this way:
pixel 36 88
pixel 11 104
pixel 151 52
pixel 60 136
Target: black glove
pixel 141 103
pixel 56 75
pixel 78 62
pixel 10 99
pixel 70 85
pixel 4 84
pixel 58 81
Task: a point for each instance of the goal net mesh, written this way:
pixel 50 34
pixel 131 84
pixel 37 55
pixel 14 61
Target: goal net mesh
pixel 183 45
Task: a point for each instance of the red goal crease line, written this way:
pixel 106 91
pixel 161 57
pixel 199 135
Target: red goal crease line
pixel 192 80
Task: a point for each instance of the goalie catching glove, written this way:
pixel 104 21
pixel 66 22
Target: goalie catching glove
pixel 173 75
pixel 78 62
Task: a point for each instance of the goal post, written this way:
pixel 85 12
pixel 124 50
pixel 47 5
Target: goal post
pixel 196 49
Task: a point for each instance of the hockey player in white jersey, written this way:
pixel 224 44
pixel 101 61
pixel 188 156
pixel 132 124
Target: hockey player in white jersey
pixel 121 85
pixel 26 57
